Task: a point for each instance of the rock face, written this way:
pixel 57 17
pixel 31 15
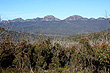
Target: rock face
pixel 101 18
pixel 50 18
pixel 51 25
pixel 46 18
pixel 16 20
pixel 33 20
pixel 92 19
pixel 75 17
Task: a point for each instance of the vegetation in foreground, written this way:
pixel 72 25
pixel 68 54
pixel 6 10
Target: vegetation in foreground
pixel 45 56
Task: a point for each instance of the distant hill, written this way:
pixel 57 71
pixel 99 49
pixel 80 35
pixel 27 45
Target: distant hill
pixel 17 36
pixel 54 26
pixel 99 36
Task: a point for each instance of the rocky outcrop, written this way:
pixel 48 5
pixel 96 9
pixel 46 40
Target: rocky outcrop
pixel 50 18
pixel 101 18
pixel 16 20
pixel 75 17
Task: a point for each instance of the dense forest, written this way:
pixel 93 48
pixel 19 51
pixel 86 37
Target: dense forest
pixel 99 36
pixel 45 56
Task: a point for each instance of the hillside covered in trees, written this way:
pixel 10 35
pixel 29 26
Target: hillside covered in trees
pixel 99 36
pixel 52 25
pixel 45 56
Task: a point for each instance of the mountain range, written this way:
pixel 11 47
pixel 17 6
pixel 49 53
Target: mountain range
pixel 52 25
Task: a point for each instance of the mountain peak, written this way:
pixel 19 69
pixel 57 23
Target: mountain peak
pixel 75 17
pixel 50 18
pixel 92 18
pixel 101 18
pixel 17 20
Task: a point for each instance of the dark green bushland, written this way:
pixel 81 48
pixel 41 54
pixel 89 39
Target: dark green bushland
pixel 53 58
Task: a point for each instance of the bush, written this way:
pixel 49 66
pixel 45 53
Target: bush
pixel 45 57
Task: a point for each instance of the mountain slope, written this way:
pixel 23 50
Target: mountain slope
pixel 17 36
pixel 52 25
pixel 99 36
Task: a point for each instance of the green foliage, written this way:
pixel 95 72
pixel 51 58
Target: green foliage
pixel 2 28
pixel 96 36
pixel 103 53
pixel 47 57
pixel 6 52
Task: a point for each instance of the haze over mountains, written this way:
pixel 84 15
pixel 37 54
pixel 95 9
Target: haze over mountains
pixel 52 25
